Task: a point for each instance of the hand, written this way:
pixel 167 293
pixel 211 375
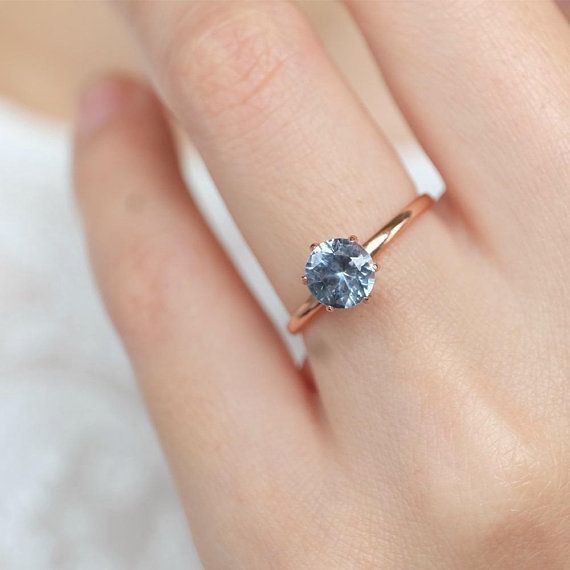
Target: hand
pixel 431 428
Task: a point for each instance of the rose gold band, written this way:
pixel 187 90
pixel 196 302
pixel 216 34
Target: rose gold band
pixel 373 246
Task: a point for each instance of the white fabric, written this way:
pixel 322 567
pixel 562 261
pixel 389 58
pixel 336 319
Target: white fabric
pixel 83 485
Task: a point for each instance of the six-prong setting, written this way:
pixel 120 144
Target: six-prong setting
pixel 340 273
pixel 338 277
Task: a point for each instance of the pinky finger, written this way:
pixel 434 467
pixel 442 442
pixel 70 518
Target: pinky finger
pixel 215 375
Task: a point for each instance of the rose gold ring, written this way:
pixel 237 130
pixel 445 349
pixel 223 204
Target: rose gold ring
pixel 340 272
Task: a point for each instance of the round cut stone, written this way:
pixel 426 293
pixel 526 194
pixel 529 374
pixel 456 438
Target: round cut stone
pixel 340 273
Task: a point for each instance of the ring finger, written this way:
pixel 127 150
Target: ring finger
pixel 294 154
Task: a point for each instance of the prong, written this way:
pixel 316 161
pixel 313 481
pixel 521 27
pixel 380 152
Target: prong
pixel 353 238
pixel 330 309
pixel 313 245
pixel 366 300
pixel 376 267
pixel 304 279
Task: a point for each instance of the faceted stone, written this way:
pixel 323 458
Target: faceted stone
pixel 340 273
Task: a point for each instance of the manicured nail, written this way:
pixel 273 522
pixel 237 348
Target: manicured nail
pixel 99 104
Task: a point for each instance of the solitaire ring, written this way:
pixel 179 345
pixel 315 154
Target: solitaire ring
pixel 340 272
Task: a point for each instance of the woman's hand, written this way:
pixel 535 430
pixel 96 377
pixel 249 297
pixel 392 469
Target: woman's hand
pixel 431 429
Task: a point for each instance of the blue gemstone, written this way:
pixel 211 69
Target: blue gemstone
pixel 340 273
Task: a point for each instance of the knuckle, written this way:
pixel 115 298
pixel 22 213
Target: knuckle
pixel 134 286
pixel 233 62
pixel 526 486
pixel 139 287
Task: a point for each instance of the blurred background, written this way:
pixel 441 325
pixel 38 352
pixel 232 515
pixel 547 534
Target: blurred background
pixel 83 484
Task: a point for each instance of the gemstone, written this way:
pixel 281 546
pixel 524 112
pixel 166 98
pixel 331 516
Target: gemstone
pixel 340 273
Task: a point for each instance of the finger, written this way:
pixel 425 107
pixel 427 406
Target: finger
pixel 485 86
pixel 215 376
pixel 295 156
pixel 298 161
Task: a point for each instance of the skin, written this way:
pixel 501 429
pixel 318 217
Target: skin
pixel 430 428
pixel 67 44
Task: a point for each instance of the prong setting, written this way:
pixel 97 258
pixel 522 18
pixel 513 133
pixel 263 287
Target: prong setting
pixel 340 273
pixel 313 245
pixel 353 238
pixel 304 279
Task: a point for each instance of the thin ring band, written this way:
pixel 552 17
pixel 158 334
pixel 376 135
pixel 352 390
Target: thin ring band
pixel 311 307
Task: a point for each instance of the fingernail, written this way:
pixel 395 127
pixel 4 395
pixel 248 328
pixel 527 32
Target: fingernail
pixel 99 104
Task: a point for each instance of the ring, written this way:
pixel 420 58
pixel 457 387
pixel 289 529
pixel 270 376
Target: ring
pixel 340 272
